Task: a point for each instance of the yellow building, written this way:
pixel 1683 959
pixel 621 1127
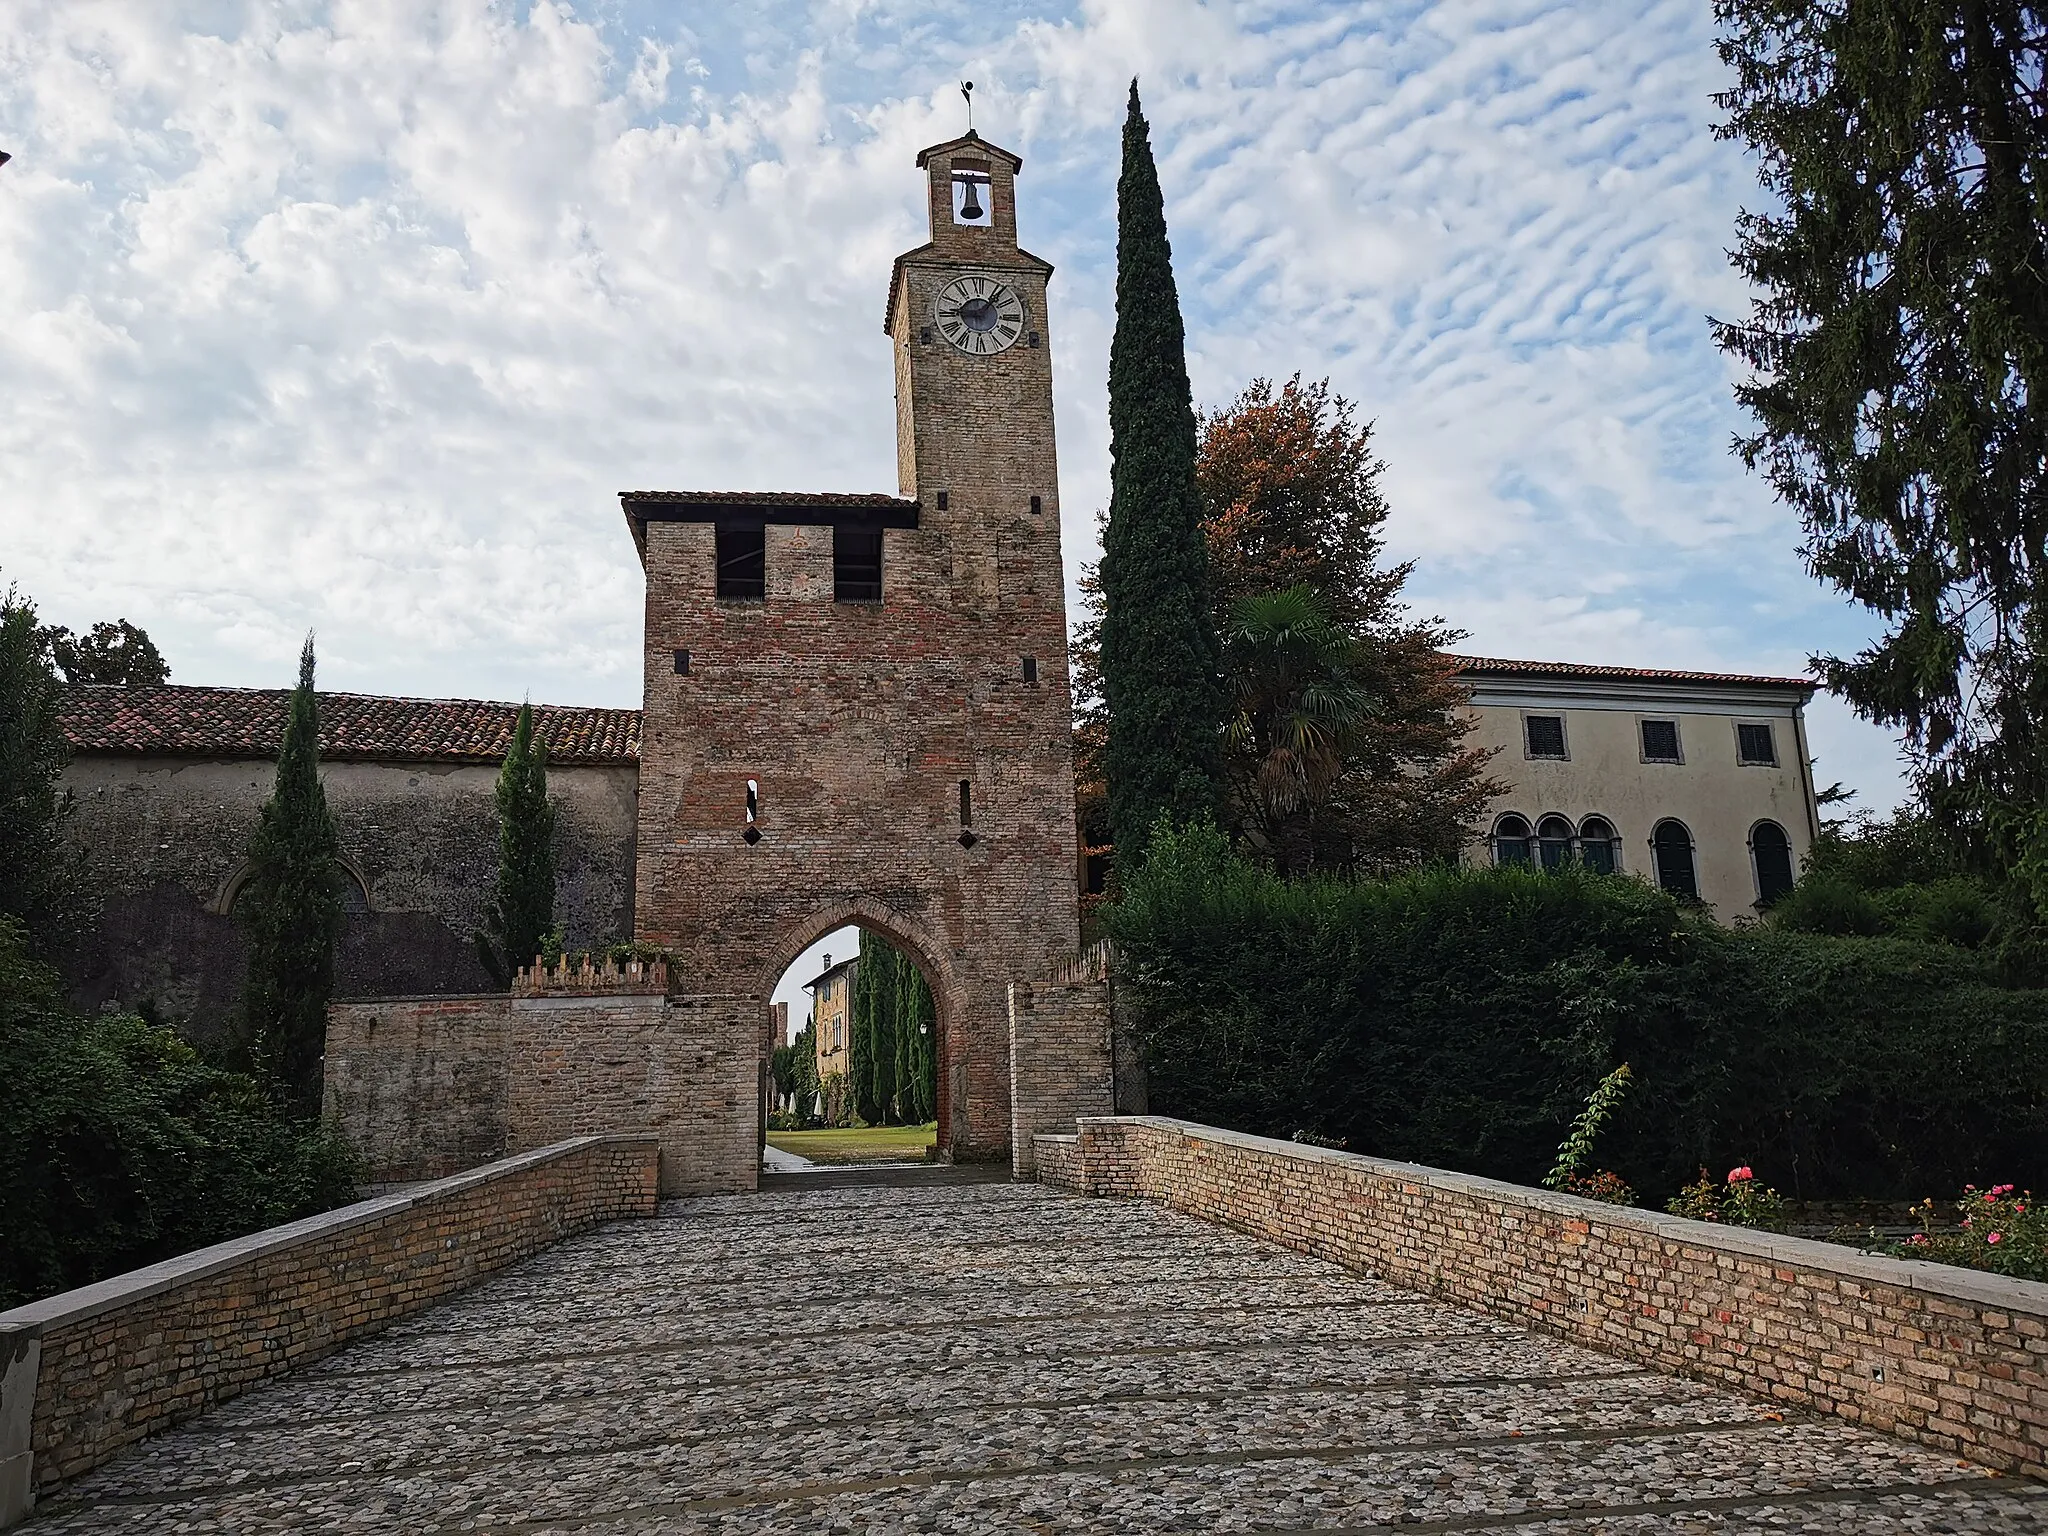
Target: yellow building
pixel 832 1016
pixel 1697 781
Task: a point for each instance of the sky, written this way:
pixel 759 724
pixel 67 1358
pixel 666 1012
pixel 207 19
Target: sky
pixel 356 317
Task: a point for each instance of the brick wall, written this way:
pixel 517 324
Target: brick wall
pixel 87 1372
pixel 422 1085
pixel 417 1085
pixel 860 721
pixel 1060 1055
pixel 1950 1357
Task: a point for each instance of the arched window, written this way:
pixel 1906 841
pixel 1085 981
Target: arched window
pixel 1599 848
pixel 1511 841
pixel 1554 842
pixel 1673 847
pixel 1770 851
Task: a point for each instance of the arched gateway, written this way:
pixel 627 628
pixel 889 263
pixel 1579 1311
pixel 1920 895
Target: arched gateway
pixel 856 710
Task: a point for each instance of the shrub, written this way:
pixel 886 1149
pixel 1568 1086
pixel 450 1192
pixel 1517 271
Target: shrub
pixel 1460 1017
pixel 120 1145
pixel 1739 1202
pixel 2000 1231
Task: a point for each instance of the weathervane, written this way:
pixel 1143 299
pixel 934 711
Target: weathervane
pixel 967 95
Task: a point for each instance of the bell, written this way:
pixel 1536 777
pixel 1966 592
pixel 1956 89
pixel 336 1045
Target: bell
pixel 971 209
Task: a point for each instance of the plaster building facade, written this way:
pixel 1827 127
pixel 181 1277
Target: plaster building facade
pixel 1696 781
pixel 832 1016
pixel 168 782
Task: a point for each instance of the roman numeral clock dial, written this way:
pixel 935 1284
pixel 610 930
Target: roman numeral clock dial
pixel 979 315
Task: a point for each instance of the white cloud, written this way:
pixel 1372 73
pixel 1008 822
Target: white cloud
pixel 357 315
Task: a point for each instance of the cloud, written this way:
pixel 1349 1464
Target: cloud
pixel 356 316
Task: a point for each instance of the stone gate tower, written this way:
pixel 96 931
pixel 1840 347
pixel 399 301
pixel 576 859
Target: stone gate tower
pixel 857 706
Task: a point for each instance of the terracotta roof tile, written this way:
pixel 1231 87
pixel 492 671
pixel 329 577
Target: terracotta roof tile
pixel 1496 666
pixel 176 721
pixel 876 499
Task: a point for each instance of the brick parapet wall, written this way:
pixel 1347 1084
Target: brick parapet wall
pixel 423 1086
pixel 1060 1065
pixel 87 1372
pixel 1949 1357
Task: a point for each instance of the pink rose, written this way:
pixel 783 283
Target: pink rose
pixel 1994 1237
pixel 1740 1175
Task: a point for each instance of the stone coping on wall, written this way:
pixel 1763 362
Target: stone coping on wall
pixel 87 1371
pixel 1949 1356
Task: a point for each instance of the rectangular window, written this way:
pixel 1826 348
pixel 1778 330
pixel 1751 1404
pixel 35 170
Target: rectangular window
pixel 856 564
pixel 1753 744
pixel 682 663
pixel 1543 735
pixel 742 562
pixel 1660 741
pixel 1030 669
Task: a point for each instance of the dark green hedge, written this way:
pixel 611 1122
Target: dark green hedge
pixel 120 1145
pixel 1459 1017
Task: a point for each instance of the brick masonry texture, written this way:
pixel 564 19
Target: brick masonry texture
pixel 1955 1359
pixel 1060 1054
pixel 421 1086
pixel 131 1356
pixel 991 1358
pixel 860 721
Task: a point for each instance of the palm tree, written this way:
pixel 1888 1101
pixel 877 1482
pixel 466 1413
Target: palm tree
pixel 1297 707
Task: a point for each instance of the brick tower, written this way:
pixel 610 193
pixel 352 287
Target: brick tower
pixel 857 706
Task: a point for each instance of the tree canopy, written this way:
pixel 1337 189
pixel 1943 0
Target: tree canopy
pixel 1898 348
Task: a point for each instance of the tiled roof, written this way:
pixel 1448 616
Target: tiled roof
pixel 175 721
pixel 875 499
pixel 1495 666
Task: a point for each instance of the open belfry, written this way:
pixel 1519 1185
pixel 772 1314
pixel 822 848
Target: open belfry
pixel 856 712
pixel 857 705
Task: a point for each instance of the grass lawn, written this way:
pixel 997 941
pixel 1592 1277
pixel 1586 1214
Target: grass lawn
pixel 875 1144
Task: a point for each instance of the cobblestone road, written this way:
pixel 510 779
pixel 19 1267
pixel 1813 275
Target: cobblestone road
pixel 995 1358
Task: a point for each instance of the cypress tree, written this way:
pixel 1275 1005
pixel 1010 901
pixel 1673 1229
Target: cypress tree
pixel 520 922
pixel 1160 658
pixel 294 910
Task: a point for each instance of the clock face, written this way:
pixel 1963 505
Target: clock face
pixel 979 315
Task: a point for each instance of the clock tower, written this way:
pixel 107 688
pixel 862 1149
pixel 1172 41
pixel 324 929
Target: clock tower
pixel 857 706
pixel 974 435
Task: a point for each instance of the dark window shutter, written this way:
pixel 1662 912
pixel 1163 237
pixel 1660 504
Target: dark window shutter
pixel 1673 847
pixel 1660 741
pixel 1753 744
pixel 1772 851
pixel 1545 735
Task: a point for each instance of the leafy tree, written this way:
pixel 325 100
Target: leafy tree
pixel 37 884
pixel 118 652
pixel 520 923
pixel 1291 500
pixel 120 1145
pixel 1159 649
pixel 1899 348
pixel 293 906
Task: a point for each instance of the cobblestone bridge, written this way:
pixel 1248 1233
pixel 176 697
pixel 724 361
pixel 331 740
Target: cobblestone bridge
pixel 993 1357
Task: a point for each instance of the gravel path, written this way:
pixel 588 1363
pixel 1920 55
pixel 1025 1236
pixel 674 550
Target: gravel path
pixel 999 1358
